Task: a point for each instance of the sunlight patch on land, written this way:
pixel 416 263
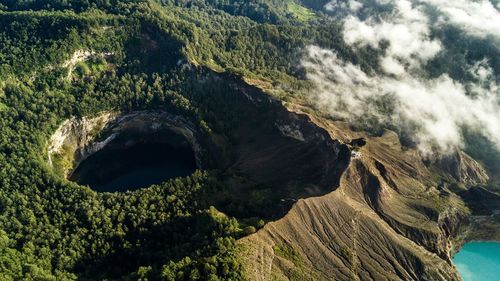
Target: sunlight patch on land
pixel 302 13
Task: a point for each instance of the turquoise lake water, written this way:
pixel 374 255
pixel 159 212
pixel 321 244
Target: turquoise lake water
pixel 479 261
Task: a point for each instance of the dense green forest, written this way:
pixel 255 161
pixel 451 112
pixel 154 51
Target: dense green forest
pixel 53 229
pixel 145 55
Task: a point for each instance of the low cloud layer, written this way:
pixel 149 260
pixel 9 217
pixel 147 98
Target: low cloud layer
pixel 479 18
pixel 431 111
pixel 407 32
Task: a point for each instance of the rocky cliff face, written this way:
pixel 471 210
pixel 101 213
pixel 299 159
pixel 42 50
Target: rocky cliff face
pixel 78 138
pixel 463 169
pixel 390 219
pixel 273 156
pixel 345 205
pixel 73 141
pixel 384 213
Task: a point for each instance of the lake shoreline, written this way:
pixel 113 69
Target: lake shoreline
pixel 478 260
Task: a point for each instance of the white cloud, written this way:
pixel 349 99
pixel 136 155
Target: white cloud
pixel 392 66
pixel 432 111
pixel 483 72
pixel 478 18
pixel 335 5
pixel 355 5
pixel 407 31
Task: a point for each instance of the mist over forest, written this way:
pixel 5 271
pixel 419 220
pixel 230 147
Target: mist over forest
pixel 433 82
pixel 284 112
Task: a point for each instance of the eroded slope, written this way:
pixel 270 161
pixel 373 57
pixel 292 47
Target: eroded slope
pixel 391 219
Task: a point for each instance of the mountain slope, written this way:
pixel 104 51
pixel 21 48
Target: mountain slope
pixel 388 220
pixel 349 199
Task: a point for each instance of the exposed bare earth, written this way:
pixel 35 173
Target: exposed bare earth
pixel 390 219
pixel 78 138
pixel 80 56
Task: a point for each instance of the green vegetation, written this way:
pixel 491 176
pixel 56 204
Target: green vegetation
pixel 94 66
pixel 288 253
pixel 144 55
pixel 60 59
pixel 300 12
pixel 300 270
pixel 63 161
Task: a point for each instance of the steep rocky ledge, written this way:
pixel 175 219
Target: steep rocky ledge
pixel 345 205
pixel 267 161
pixel 267 157
pixel 392 218
pixel 78 138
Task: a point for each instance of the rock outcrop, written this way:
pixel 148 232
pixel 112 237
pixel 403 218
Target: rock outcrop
pixel 388 220
pixel 345 205
pixel 464 169
pixel 78 138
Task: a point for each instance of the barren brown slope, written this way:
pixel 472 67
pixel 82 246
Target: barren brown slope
pixel 390 219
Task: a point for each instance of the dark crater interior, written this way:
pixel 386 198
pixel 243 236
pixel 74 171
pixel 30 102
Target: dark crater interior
pixel 264 157
pixel 130 164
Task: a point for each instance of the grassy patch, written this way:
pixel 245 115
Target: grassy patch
pixel 288 253
pixel 63 161
pixel 90 67
pixel 300 271
pixel 302 13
